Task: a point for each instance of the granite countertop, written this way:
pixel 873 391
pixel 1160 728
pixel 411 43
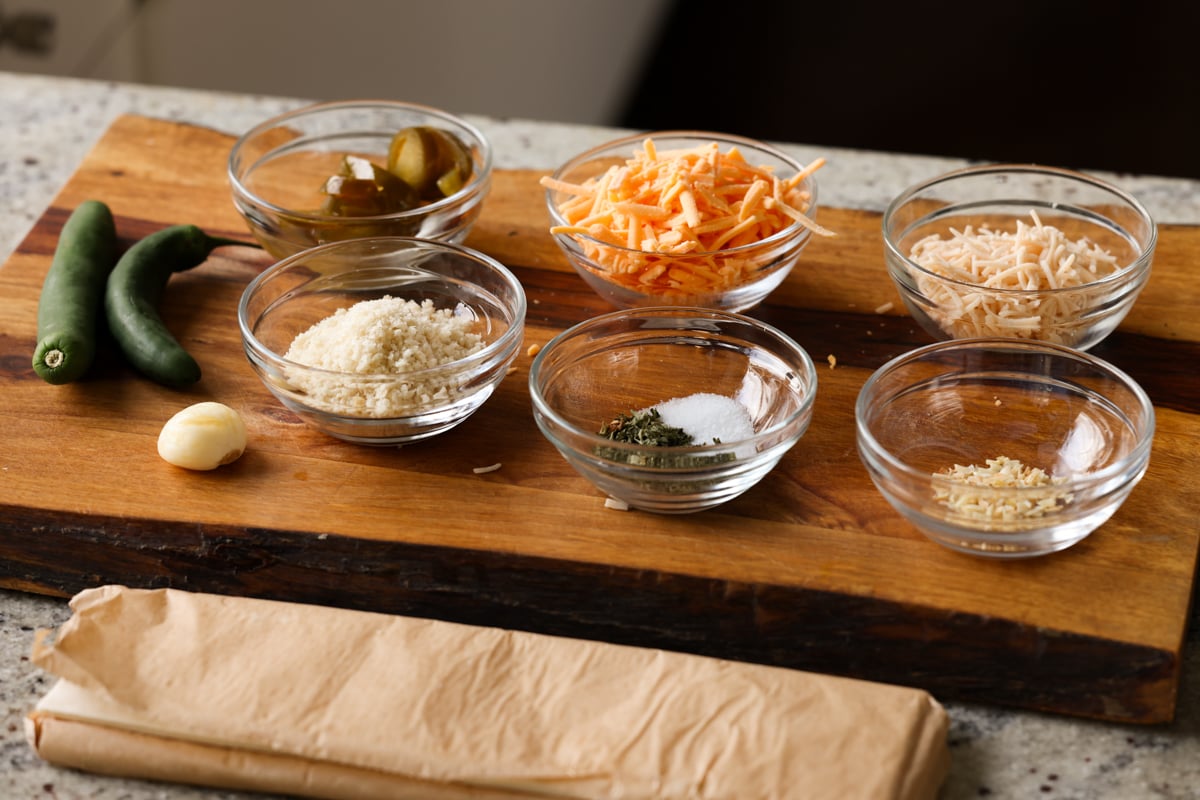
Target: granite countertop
pixel 49 124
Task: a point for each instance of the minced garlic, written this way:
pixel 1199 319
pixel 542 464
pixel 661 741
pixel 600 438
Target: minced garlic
pixel 978 492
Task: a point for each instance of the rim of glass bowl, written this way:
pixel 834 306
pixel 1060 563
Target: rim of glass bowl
pixel 508 340
pixel 1136 455
pixel 807 374
pixel 479 176
pixel 793 231
pixel 1144 256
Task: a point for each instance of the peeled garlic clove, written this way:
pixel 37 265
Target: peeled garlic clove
pixel 203 436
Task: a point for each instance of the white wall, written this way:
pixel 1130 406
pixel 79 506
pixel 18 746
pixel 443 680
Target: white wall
pixel 561 60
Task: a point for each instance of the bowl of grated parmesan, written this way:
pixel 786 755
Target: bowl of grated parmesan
pixel 1018 251
pixel 672 410
pixel 384 340
pixel 1004 447
pixel 686 218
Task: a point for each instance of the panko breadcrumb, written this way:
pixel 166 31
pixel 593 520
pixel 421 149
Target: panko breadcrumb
pixel 376 339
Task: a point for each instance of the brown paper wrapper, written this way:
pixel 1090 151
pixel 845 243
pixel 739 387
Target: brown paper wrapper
pixel 320 702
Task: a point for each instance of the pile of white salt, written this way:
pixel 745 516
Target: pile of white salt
pixel 707 417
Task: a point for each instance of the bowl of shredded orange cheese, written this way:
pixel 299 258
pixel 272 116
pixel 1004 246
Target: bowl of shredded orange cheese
pixel 1018 251
pixel 1004 447
pixel 683 218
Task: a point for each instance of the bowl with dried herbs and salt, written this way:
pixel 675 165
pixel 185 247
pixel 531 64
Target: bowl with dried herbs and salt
pixel 673 409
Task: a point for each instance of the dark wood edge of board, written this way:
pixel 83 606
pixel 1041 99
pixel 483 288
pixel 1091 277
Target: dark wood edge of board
pixel 954 656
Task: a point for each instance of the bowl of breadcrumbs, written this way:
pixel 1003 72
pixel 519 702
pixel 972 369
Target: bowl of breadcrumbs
pixel 383 340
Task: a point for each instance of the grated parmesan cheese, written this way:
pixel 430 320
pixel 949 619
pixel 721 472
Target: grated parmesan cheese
pixel 978 491
pixel 999 266
pixel 377 339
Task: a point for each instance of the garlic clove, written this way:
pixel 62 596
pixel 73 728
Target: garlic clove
pixel 203 436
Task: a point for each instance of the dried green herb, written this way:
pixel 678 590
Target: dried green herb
pixel 645 427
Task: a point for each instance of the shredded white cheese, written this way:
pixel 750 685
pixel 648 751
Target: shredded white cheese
pixel 978 491
pixel 1034 258
pixel 379 338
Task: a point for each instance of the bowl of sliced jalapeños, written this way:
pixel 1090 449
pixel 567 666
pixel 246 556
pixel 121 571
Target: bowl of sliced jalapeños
pixel 356 169
pixel 90 283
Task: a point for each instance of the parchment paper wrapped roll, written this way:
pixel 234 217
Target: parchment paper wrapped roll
pixel 320 702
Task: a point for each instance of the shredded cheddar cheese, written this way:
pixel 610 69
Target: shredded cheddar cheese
pixel 672 221
pixel 1035 258
pixel 979 491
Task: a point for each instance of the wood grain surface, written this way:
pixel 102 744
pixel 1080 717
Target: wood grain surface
pixel 811 569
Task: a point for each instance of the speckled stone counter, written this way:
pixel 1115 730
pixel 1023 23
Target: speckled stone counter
pixel 47 125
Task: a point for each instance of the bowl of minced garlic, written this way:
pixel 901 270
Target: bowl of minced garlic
pixel 383 340
pixel 1018 251
pixel 1003 447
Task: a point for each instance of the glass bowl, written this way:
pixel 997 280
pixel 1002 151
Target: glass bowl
pixel 1003 447
pixel 731 278
pixel 356 382
pixel 277 171
pixel 970 285
pixel 742 378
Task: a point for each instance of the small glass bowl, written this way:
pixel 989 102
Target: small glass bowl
pixel 761 266
pixel 1087 425
pixel 949 305
pixel 296 293
pixel 276 171
pixel 630 360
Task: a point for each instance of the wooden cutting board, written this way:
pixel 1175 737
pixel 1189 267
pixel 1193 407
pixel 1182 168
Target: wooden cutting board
pixel 811 569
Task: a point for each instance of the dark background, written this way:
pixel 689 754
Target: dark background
pixel 1089 86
